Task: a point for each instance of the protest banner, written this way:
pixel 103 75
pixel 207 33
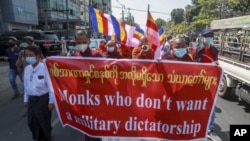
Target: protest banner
pixel 134 98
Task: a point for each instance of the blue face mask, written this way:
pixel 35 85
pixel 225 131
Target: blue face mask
pixel 30 60
pixel 180 52
pixel 208 40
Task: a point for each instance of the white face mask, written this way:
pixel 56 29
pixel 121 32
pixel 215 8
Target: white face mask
pixel 110 49
pixel 81 47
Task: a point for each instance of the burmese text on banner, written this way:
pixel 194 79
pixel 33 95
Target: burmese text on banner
pixel 134 98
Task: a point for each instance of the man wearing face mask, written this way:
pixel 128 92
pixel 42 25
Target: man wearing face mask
pixel 112 50
pixel 38 99
pixel 179 51
pixel 143 51
pixel 82 41
pixel 12 53
pixel 207 53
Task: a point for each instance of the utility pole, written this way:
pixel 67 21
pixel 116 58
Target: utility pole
pixel 90 24
pixel 67 10
pixel 46 16
pixel 123 7
pixel 184 17
pixel 122 15
pixel 46 19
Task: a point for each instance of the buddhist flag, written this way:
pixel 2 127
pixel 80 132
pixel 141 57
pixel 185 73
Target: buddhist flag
pixel 138 33
pixel 119 28
pixel 162 35
pixel 152 32
pixel 101 22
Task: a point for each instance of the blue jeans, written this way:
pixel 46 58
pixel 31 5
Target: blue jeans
pixel 12 78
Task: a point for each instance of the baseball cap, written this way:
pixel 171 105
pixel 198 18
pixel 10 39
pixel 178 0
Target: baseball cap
pixel 12 38
pixel 207 32
pixel 24 45
pixel 28 38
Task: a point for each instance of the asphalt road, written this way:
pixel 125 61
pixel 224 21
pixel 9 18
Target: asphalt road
pixel 13 126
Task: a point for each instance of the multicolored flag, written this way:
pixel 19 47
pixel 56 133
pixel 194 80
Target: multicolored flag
pixel 101 22
pixel 119 28
pixel 152 32
pixel 162 35
pixel 138 33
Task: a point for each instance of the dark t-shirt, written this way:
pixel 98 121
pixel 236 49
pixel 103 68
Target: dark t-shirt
pixel 12 57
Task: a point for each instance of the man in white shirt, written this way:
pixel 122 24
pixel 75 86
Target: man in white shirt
pixel 37 97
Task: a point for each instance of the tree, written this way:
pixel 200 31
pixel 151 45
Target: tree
pixel 240 7
pixel 190 12
pixel 160 23
pixel 178 28
pixel 207 13
pixel 177 15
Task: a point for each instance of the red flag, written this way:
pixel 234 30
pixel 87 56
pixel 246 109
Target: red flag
pixel 152 32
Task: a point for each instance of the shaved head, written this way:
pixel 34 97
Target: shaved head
pixel 143 40
pixel 179 43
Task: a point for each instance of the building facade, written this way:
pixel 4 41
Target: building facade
pixel 103 5
pixel 48 14
pixel 18 15
pixel 59 15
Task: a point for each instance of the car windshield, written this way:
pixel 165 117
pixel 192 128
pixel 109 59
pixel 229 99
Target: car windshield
pixel 50 36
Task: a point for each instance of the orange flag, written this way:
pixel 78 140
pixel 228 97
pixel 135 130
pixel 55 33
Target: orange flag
pixel 152 32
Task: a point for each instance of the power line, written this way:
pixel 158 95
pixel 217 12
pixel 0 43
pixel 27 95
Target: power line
pixel 142 10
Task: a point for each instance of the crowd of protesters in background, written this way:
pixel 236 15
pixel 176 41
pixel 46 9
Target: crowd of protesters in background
pixel 176 48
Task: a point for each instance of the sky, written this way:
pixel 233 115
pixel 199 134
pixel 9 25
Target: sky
pixel 162 8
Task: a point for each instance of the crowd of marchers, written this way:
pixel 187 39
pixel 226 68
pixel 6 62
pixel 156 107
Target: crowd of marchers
pixel 26 61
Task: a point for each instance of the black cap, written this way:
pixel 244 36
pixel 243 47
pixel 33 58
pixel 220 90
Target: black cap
pixel 207 32
pixel 12 38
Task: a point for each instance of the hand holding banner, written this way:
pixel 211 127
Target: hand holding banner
pixel 134 98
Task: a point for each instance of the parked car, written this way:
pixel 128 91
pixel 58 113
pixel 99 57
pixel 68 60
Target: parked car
pixel 47 40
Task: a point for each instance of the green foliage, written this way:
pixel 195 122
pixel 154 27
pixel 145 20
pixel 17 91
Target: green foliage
pixel 201 13
pixel 177 15
pixel 190 12
pixel 160 23
pixel 241 7
pixel 177 28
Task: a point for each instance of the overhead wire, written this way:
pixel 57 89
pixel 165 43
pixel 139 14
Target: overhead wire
pixel 139 10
